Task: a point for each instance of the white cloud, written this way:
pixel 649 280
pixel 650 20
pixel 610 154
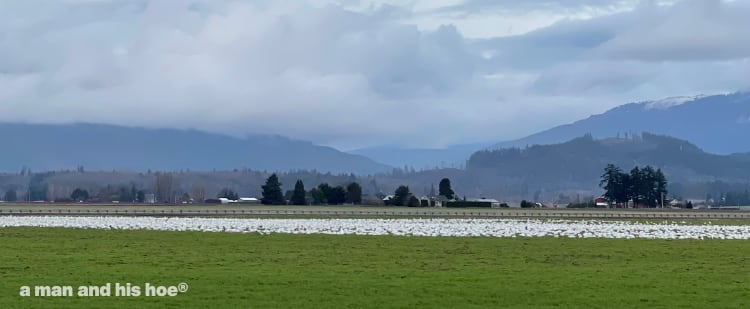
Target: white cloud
pixel 356 73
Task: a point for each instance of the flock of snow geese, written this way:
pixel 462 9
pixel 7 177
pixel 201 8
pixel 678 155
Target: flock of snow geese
pixel 398 227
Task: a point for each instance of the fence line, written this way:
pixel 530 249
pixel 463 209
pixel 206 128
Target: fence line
pixel 365 213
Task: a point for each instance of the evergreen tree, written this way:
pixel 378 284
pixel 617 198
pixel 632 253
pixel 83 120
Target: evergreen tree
pixel 661 184
pixel 622 188
pixel 354 193
pixel 614 183
pixel 609 181
pixel 124 195
pixel 318 197
pixel 445 188
pixel 79 195
pixel 336 196
pixel 401 196
pixel 140 196
pixel 272 194
pixel 326 190
pixel 635 188
pixel 298 196
pixel 648 186
pixel 645 186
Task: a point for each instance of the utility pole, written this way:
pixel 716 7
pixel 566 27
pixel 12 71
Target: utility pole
pixel 662 200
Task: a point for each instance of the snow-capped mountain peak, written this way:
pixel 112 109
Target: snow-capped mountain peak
pixel 671 102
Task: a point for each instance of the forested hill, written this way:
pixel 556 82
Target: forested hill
pixel 105 147
pixel 582 159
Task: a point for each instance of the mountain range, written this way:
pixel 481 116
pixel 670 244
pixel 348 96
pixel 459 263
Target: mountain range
pixel 718 124
pixel 715 124
pixel 539 173
pixel 106 147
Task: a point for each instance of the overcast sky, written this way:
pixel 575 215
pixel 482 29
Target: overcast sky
pixel 422 73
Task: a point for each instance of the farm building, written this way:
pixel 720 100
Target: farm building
pixel 493 202
pixel 601 202
pixel 248 200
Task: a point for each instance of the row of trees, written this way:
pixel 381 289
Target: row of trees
pixel 644 186
pixel 320 195
pixel 108 193
pixel 326 194
pixel 272 193
pixel 403 196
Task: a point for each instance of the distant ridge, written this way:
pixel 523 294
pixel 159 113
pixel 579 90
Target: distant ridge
pixel 107 147
pixel 578 164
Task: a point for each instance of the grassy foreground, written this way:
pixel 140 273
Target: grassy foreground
pixel 318 271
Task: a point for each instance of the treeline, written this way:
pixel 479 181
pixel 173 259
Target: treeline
pixel 104 194
pixel 155 187
pixel 643 186
pixel 321 195
pixel 168 188
pixel 324 194
pixel 404 197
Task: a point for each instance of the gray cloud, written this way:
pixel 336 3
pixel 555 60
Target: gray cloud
pixel 616 54
pixel 311 72
pixel 349 77
pixel 471 7
pixel 687 31
pixel 701 30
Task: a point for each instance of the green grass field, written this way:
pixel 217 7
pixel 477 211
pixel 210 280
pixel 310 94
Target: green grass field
pixel 318 271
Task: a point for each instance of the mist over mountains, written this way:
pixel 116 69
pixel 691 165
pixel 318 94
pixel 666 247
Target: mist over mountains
pixel 421 158
pixel 106 147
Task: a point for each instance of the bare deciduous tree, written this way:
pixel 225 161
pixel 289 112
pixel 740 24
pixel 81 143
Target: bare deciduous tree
pixel 164 187
pixel 199 193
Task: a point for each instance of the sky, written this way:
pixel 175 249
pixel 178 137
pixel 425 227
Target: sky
pixel 350 74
